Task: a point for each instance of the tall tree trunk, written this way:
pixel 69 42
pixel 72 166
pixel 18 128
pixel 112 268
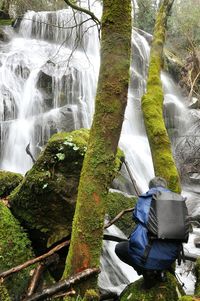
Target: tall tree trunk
pixel 97 171
pixel 152 105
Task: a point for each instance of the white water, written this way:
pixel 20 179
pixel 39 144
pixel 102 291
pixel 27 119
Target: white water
pixel 32 110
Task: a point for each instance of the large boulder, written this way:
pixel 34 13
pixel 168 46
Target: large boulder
pixel 45 201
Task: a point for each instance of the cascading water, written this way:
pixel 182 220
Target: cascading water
pixel 46 86
pixel 48 81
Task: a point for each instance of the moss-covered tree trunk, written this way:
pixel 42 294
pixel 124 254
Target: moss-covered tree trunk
pixel 97 171
pixel 152 105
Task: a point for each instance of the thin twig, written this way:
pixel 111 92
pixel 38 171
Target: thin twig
pixel 35 279
pixel 83 10
pixel 117 217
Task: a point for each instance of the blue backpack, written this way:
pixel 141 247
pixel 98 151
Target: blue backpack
pixel 162 227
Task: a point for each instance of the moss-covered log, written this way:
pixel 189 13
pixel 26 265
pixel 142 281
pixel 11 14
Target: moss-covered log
pixel 15 248
pixel 152 105
pixel 98 167
pixel 163 291
pixel 8 181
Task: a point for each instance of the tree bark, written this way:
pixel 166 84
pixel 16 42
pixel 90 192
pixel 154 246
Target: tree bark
pixel 98 166
pixel 152 105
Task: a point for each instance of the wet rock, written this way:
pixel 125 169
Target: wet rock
pixel 44 85
pixel 3 36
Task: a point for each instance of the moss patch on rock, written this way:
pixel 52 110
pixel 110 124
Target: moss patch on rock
pixel 163 291
pixel 115 203
pixel 45 200
pixel 14 249
pixel 8 181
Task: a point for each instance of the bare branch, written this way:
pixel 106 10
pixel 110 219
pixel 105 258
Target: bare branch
pixel 63 285
pixel 35 279
pixel 34 260
pixel 117 217
pixel 81 9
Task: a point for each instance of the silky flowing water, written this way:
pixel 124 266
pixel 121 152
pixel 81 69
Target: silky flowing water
pixel 48 78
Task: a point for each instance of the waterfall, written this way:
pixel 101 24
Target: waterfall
pixel 48 79
pixel 48 83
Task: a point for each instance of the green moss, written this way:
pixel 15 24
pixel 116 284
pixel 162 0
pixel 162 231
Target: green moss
pixel 4 296
pixel 91 295
pixel 165 291
pixel 8 181
pixel 5 22
pixel 115 203
pixel 188 298
pixel 14 249
pixel 152 106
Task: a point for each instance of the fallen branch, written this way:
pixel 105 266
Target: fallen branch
pixel 34 260
pixel 61 295
pixel 35 279
pixel 118 217
pixel 63 285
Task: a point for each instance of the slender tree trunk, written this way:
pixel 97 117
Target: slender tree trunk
pixel 152 105
pixel 97 171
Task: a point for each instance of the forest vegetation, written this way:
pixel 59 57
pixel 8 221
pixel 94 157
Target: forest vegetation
pixel 58 208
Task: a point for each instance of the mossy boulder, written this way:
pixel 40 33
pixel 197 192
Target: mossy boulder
pixel 162 291
pixel 45 200
pixel 8 181
pixel 15 248
pixel 116 202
